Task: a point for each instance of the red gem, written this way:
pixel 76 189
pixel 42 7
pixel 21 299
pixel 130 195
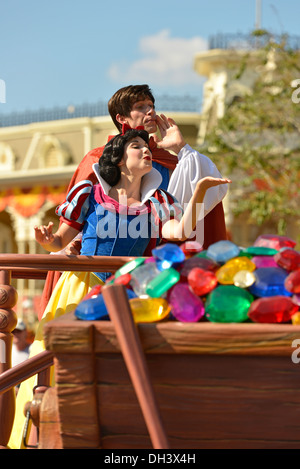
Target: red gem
pixel 123 279
pixel 292 282
pixel 288 259
pixel 96 290
pixel 272 309
pixel 191 247
pixel 201 281
pixel 274 241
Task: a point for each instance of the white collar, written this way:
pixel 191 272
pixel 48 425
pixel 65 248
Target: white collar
pixel 150 183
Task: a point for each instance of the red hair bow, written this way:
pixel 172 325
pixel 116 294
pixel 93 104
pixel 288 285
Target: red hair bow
pixel 126 127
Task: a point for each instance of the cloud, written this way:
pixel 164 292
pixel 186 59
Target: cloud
pixel 165 60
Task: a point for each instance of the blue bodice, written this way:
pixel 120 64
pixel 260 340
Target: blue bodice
pixel 107 233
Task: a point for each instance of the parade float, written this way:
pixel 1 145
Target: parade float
pixel 184 349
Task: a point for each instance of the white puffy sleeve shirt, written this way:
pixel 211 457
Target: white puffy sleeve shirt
pixel 191 167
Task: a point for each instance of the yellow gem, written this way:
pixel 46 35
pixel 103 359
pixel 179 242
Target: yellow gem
pixel 149 309
pixel 296 319
pixel 226 273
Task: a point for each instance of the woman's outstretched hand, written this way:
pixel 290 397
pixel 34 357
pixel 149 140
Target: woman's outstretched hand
pixel 44 234
pixel 207 182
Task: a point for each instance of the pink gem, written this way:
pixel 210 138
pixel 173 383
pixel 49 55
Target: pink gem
pixel 272 309
pixel 264 261
pixel 274 241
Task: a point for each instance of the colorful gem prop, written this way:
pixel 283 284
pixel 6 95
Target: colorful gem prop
pixel 199 262
pixel 185 305
pixel 260 251
pixel 129 266
pixel 162 282
pixel 226 273
pixel 269 282
pixel 274 241
pixel 292 282
pixel 149 309
pixel 225 283
pixel 296 299
pixel 167 255
pixel 264 261
pixel 222 251
pixel 191 247
pixel 94 307
pixel 288 259
pixel 201 281
pixel 296 319
pixel 228 303
pixel 272 309
pixel 244 279
pixel 141 276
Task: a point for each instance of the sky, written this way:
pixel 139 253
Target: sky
pixel 70 52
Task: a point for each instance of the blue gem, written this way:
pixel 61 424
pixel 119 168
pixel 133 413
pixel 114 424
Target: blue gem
pixel 94 308
pixel 167 255
pixel 222 251
pixel 269 282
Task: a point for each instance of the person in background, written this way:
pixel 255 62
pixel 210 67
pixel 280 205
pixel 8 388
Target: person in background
pixel 20 347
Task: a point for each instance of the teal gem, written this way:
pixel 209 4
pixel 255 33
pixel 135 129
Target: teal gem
pixel 228 303
pixel 162 282
pixel 129 266
pixel 259 251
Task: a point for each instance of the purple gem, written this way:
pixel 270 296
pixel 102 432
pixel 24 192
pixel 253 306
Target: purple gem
pixel 185 305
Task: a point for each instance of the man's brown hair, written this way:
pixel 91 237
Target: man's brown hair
pixel 123 100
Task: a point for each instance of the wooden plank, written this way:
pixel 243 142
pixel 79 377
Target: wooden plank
pixel 232 401
pixel 173 337
pixel 78 416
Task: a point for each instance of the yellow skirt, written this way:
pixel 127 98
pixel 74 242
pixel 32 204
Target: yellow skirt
pixel 69 291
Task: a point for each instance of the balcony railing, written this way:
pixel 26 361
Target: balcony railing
pixel 164 103
pixel 251 41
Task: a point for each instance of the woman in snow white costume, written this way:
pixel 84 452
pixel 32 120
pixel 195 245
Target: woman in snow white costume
pixel 123 215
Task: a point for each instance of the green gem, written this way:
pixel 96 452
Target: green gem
pixel 162 282
pixel 228 303
pixel 260 251
pixel 202 254
pixel 129 266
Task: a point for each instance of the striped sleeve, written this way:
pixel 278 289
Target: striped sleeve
pixel 74 209
pixel 164 207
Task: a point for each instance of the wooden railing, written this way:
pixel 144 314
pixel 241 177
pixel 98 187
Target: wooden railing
pixel 33 266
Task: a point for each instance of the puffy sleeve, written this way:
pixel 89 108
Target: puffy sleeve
pixel 74 209
pixel 164 207
pixel 191 167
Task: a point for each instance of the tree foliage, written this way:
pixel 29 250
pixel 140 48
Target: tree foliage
pixel 257 142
